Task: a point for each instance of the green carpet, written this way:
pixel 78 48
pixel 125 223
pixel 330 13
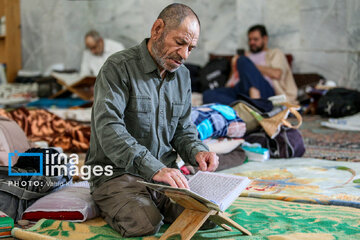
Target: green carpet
pixel 265 219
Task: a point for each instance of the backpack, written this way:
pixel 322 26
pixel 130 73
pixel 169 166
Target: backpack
pixel 215 74
pixel 12 138
pixel 17 193
pixel 287 144
pixel 339 102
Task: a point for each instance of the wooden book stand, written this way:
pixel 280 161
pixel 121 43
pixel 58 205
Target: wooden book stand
pixel 83 88
pixel 193 217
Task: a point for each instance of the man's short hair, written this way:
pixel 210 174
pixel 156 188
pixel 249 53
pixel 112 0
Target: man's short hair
pixel 94 34
pixel 174 14
pixel 260 28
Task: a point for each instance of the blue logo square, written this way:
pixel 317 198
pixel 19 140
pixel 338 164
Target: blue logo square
pixel 40 155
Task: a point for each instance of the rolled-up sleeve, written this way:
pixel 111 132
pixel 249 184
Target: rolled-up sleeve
pixel 279 61
pixel 111 96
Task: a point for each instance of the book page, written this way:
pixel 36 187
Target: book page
pixel 217 187
pixel 162 188
pixel 215 190
pixel 67 78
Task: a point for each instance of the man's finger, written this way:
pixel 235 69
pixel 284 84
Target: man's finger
pixel 184 180
pixel 202 164
pixel 172 182
pixel 212 165
pixel 178 181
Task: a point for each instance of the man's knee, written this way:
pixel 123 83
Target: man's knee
pixel 243 63
pixel 127 206
pixel 135 220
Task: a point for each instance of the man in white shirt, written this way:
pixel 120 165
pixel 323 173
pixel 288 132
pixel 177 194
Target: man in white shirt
pixel 96 53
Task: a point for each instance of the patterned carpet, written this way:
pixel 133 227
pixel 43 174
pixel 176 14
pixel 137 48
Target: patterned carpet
pixel 327 143
pixel 304 180
pixel 265 219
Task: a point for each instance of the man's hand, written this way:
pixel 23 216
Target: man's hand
pixel 208 161
pixel 171 176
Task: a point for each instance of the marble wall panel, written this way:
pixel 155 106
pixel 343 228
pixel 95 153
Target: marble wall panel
pixel 332 65
pixel 353 77
pixel 322 35
pixel 248 13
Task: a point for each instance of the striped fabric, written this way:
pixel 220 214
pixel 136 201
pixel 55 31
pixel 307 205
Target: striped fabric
pixel 215 120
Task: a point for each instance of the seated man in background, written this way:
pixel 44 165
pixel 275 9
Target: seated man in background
pixel 96 53
pixel 261 73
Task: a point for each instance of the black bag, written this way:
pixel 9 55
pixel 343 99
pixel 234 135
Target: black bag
pixel 47 86
pixel 17 193
pixel 194 76
pixel 339 102
pixel 215 74
pixel 287 144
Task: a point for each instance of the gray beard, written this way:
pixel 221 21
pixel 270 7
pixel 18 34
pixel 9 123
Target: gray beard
pixel 155 48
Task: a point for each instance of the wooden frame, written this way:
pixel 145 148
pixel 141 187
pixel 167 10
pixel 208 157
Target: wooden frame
pixel 83 88
pixel 10 43
pixel 194 216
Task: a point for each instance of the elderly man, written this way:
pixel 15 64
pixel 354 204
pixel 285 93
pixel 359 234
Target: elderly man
pixel 96 53
pixel 141 120
pixel 261 73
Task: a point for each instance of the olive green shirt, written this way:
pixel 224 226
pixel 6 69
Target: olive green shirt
pixel 139 122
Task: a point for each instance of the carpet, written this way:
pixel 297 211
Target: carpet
pixel 303 180
pixel 327 143
pixel 265 219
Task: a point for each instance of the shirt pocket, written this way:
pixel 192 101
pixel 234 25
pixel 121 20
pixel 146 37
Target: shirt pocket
pixel 176 113
pixel 138 116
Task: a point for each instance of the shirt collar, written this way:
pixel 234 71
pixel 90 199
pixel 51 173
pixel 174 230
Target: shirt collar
pixel 148 62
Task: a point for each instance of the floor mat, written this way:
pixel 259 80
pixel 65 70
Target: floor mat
pixel 327 143
pixel 265 219
pixel 303 180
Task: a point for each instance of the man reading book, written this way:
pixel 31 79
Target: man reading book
pixel 141 120
pixel 97 51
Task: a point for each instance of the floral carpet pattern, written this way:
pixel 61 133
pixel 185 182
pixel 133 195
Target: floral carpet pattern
pixel 326 143
pixel 265 219
pixel 303 180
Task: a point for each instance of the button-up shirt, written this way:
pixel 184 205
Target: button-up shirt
pixel 139 121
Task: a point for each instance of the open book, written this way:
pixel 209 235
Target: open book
pixel 68 78
pixel 217 191
pixel 75 83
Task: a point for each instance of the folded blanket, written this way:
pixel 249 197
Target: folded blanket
pixel 41 125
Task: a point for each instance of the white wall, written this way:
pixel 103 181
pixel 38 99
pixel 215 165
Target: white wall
pixel 322 35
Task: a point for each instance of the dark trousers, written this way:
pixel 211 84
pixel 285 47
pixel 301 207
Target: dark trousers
pixel 132 209
pixel 250 76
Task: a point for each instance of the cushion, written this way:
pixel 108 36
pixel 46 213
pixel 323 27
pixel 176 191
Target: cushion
pixel 223 145
pixel 72 203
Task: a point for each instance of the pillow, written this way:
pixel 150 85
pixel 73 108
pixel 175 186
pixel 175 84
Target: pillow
pixel 223 145
pixel 72 203
pixel 216 120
